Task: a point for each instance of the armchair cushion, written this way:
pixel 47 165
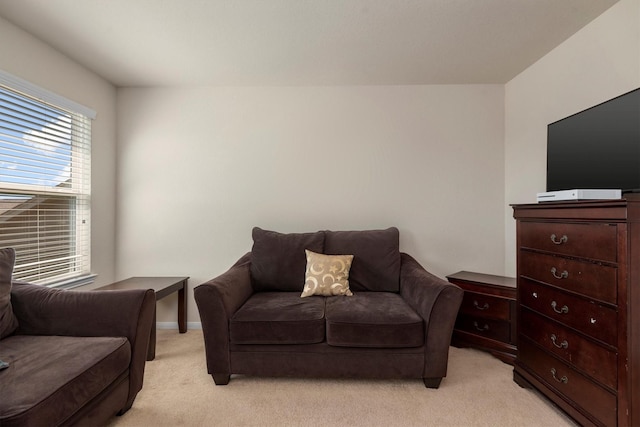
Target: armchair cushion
pixel 278 318
pixel 373 319
pixel 8 321
pixel 51 375
pixel 376 257
pixel 278 261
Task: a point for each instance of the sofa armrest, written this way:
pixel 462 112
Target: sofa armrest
pixel 437 302
pixel 217 300
pixel 119 313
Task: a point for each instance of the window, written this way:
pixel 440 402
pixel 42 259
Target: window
pixel 45 188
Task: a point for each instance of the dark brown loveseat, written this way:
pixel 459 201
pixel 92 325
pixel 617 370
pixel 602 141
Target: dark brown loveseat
pixel 76 357
pixel 398 323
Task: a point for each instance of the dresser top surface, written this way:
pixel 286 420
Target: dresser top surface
pixel 628 198
pixel 585 210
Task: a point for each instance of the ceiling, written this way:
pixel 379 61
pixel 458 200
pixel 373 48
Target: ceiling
pixel 303 42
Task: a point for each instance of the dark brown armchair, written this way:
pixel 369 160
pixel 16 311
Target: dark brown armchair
pixel 76 358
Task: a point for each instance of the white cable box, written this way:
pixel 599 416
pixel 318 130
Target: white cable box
pixel 599 194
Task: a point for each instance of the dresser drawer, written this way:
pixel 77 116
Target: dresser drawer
pixel 566 381
pixel 594 280
pixel 596 241
pixel 488 328
pixel 595 360
pixel 477 304
pixel 591 318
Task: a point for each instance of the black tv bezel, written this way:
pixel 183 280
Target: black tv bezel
pixel 624 190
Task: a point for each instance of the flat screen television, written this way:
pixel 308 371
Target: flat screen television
pixel 598 148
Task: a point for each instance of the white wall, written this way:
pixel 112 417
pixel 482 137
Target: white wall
pixel 597 63
pixel 30 59
pixel 199 167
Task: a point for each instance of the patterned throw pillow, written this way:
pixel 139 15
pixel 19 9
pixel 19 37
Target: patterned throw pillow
pixel 327 275
pixel 8 322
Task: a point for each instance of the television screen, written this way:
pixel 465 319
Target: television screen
pixel 597 148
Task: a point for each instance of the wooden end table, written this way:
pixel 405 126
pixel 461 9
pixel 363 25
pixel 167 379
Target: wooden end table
pixel 162 286
pixel 487 316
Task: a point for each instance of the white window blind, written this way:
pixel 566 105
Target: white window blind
pixel 45 188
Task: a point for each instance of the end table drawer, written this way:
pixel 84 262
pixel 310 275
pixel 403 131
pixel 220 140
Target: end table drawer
pixel 487 328
pixel 477 304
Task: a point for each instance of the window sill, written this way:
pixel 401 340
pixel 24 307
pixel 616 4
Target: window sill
pixel 74 282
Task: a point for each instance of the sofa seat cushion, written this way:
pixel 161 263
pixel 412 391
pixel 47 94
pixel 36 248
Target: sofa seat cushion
pixel 279 318
pixel 50 377
pixel 373 319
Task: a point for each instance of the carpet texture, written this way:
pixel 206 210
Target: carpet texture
pixel 478 391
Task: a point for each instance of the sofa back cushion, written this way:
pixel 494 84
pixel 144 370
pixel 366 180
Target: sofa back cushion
pixel 278 260
pixel 8 321
pixel 376 257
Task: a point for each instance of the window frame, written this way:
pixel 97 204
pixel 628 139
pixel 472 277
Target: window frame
pixel 77 193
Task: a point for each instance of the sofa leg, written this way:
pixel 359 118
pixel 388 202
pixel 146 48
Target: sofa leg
pixel 124 410
pixel 221 379
pixel 432 382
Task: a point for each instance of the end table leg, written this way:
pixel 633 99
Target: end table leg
pixel 182 308
pixel 151 350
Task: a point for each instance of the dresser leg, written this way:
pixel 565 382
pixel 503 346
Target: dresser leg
pixel 519 379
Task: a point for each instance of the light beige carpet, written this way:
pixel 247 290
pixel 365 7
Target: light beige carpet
pixel 478 391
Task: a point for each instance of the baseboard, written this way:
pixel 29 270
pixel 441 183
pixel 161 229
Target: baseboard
pixel 174 325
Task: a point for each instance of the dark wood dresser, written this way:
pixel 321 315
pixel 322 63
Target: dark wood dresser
pixel 486 319
pixel 578 307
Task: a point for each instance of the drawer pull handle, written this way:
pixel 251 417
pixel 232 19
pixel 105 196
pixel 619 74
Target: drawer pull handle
pixel 562 240
pixel 476 305
pixel 484 328
pixel 563 310
pixel 563 344
pixel 563 380
pixel 535 294
pixel 562 275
